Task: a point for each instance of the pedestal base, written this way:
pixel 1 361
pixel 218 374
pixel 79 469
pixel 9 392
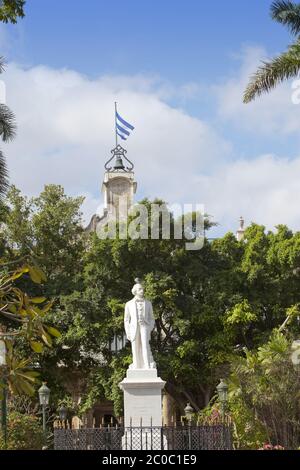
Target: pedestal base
pixel 142 398
pixel 143 410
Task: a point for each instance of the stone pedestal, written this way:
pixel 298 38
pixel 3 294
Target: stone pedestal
pixel 142 398
pixel 143 410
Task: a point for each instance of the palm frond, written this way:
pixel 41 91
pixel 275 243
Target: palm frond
pixel 7 123
pixel 287 13
pixel 273 72
pixel 2 64
pixel 3 176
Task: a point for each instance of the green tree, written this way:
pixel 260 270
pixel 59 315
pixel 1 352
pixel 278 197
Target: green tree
pixel 48 229
pixel 11 10
pixel 264 395
pixel 286 65
pixel 209 304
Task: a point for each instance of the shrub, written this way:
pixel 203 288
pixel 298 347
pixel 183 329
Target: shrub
pixel 24 432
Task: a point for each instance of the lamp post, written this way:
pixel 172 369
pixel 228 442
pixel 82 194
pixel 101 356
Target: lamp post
pixel 63 412
pixel 3 369
pixel 222 390
pixel 188 412
pixel 44 396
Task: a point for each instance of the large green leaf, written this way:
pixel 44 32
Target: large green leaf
pixel 53 331
pixel 38 300
pixel 19 273
pixel 35 275
pixel 36 346
pixel 46 338
pixel 27 388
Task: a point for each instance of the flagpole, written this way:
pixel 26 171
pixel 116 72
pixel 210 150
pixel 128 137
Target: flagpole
pixel 116 123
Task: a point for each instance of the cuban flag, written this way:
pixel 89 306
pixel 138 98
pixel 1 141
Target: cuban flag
pixel 123 128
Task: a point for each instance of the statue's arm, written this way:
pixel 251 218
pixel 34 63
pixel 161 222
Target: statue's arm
pixel 127 321
pixel 151 317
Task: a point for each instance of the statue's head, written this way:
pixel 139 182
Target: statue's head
pixel 138 289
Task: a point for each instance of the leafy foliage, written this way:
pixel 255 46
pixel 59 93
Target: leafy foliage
pixel 264 396
pixel 29 313
pixel 3 175
pixel 24 432
pixel 273 72
pixel 210 305
pixel 287 13
pixel 11 10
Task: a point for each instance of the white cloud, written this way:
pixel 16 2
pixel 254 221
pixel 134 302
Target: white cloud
pixel 66 132
pixel 264 190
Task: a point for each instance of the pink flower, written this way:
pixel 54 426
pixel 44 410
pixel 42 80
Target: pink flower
pixel 268 446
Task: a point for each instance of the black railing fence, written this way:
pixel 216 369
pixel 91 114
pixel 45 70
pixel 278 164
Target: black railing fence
pixel 204 437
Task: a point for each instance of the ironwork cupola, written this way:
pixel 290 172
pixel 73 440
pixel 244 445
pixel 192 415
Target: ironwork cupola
pixel 119 153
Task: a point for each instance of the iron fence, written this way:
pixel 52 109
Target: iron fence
pixel 204 437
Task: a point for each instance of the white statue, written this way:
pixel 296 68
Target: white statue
pixel 139 322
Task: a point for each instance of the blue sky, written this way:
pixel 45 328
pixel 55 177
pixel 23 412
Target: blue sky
pixel 182 64
pixel 148 36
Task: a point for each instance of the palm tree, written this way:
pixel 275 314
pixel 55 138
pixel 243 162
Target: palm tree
pixel 7 132
pixel 286 65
